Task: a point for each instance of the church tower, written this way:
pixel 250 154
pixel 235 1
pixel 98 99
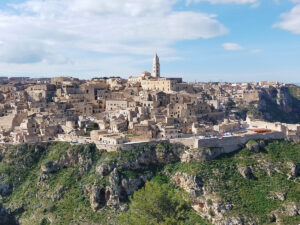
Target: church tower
pixel 156 67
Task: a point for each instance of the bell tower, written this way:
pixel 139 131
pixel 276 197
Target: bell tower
pixel 156 67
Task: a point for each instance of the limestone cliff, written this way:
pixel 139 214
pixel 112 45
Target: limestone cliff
pixel 281 105
pixel 56 183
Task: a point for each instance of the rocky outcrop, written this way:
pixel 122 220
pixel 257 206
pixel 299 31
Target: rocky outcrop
pixel 191 184
pixel 109 195
pixel 98 197
pixel 114 194
pixel 278 104
pixel 104 169
pixel 246 172
pixel 255 146
pixel 290 209
pixel 58 193
pixel 166 154
pixel 199 155
pixel 294 169
pixel 50 167
pixel 131 185
pixel 72 157
pixel 204 202
pixel 278 195
pixel 207 203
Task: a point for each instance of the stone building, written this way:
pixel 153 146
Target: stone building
pixel 156 67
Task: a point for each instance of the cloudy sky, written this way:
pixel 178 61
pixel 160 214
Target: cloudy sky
pixel 203 40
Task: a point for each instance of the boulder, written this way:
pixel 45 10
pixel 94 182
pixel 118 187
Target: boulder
pixel 278 195
pixel 292 209
pixel 246 172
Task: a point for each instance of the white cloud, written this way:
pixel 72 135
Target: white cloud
pixel 256 51
pixel 56 31
pixel 291 20
pixel 232 47
pixel 225 1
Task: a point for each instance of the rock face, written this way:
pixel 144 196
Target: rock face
pixel 279 105
pixel 199 155
pixel 6 218
pixel 104 169
pixel 49 167
pixel 246 172
pixel 294 169
pixel 72 158
pixel 255 146
pixel 206 203
pixel 98 197
pixel 190 184
pixel 116 192
pixel 291 209
pixel 131 185
pixel 6 189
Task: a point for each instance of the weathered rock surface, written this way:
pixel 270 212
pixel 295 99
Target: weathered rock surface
pixel 294 169
pixel 246 172
pixel 200 155
pixel 104 169
pixel 131 185
pixel 190 184
pixel 291 209
pixel 71 158
pixel 49 167
pixel 98 197
pixel 206 203
pixel 255 146
pixel 117 191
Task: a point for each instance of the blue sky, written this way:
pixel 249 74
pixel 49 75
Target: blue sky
pixel 203 40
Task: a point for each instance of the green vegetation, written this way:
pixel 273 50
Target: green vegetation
pixel 249 197
pixel 62 196
pixel 294 91
pixel 160 203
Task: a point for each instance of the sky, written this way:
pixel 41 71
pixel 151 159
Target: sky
pixel 198 40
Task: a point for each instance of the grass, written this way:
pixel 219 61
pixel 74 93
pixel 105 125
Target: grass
pixel 249 197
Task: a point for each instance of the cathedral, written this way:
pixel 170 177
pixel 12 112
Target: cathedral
pixel 154 82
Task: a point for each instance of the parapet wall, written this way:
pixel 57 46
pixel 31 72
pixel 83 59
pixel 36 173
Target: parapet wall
pixel 127 146
pixel 228 144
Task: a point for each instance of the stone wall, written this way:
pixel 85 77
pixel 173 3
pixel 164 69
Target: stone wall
pixel 127 146
pixel 227 144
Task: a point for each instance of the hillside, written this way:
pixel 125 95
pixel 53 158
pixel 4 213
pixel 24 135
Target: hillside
pixel 56 183
pixel 280 104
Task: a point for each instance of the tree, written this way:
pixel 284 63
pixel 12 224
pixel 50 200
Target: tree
pixel 156 204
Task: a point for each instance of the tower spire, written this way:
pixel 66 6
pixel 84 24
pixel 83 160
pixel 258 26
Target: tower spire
pixel 156 66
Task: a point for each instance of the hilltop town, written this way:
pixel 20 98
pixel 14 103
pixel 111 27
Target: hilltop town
pixel 113 112
pixel 82 151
